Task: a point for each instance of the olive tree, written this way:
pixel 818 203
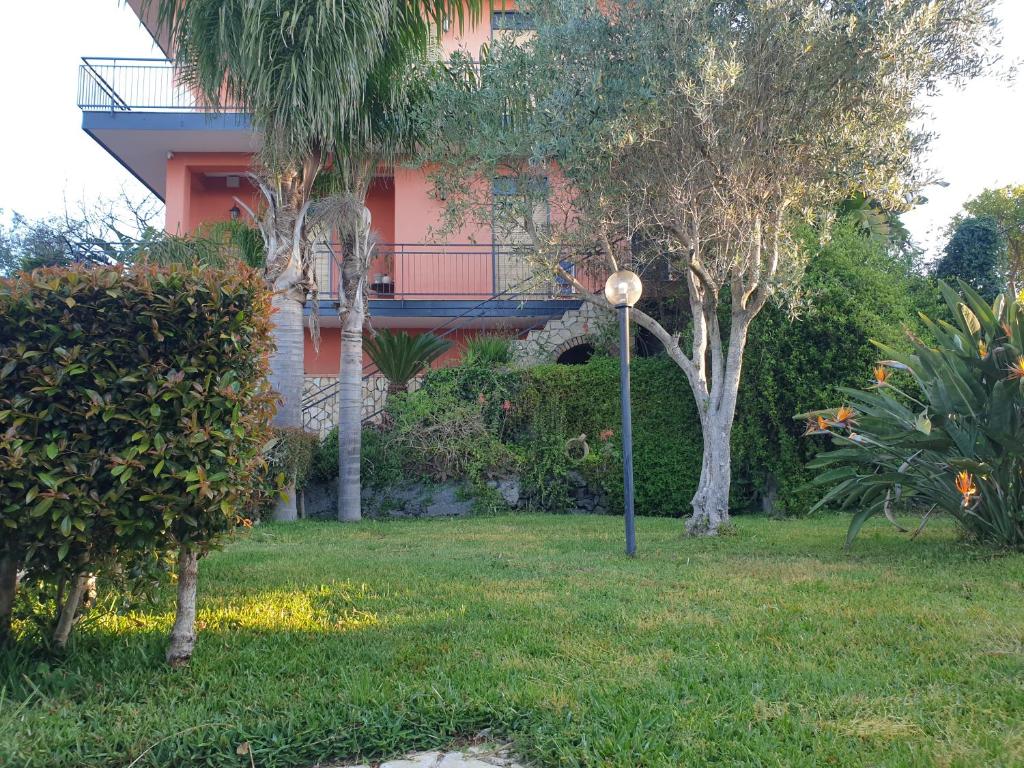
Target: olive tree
pixel 685 138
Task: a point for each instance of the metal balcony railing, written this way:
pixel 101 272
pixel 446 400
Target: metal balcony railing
pixel 425 271
pixel 125 84
pixel 111 84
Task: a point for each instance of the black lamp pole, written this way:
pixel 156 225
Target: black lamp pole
pixel 627 427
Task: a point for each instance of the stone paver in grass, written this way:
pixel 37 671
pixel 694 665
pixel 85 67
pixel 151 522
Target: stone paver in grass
pixel 478 756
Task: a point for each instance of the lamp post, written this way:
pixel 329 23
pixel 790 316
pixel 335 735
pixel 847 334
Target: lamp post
pixel 623 290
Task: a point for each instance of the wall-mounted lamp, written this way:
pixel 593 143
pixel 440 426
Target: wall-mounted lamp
pixel 235 212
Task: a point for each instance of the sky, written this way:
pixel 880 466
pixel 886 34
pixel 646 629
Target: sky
pixel 46 161
pixel 45 157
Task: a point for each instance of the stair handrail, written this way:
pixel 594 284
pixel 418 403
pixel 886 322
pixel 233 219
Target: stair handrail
pixel 327 392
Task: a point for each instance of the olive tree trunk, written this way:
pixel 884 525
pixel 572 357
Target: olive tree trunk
pixel 183 633
pixel 8 590
pixel 718 411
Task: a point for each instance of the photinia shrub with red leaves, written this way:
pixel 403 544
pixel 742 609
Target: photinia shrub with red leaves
pixel 134 412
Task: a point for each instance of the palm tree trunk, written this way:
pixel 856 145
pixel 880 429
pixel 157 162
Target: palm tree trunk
pixel 183 634
pixel 350 414
pixel 358 249
pixel 287 371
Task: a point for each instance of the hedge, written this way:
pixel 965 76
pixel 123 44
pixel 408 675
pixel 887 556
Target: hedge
pixel 857 292
pixel 134 410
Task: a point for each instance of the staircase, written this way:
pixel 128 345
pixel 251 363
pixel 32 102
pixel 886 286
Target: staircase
pixel 319 401
pixel 573 328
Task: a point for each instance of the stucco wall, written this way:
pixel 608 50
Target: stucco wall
pixel 192 199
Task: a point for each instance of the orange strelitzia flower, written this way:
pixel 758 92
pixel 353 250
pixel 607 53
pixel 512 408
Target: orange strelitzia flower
pixel 965 485
pixel 845 416
pixel 881 375
pixel 1017 369
pixel 812 428
pixel 982 348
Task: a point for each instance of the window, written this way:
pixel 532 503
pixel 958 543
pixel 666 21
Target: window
pixel 514 26
pixel 515 212
pixel 520 204
pixel 323 261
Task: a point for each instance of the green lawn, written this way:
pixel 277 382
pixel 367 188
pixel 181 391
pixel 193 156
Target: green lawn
pixel 769 647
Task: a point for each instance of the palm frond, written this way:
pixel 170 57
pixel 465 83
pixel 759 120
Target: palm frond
pixel 314 76
pixel 401 357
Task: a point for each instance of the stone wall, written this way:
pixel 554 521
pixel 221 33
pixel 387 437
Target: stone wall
pixel 321 415
pixel 585 325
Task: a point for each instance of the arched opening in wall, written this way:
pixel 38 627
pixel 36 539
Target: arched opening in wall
pixel 576 355
pixel 645 344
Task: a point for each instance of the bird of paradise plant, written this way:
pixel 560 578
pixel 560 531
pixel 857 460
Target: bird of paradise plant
pixel 1017 369
pixel 965 484
pixel 964 419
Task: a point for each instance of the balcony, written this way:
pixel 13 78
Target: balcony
pixel 140 113
pixel 110 84
pixel 445 272
pixel 116 84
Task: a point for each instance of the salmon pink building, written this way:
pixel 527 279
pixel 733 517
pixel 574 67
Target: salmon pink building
pixel 197 163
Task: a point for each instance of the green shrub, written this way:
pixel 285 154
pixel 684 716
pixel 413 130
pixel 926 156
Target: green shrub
pixel 534 412
pixel 324 466
pixel 381 462
pixel 134 411
pixel 957 445
pixel 441 436
pixel 291 457
pixel 856 292
pixel 444 430
pixel 486 351
pixel 566 401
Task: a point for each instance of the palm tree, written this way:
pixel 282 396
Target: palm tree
pixel 393 92
pixel 401 357
pixel 301 72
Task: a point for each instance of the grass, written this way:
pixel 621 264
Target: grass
pixel 769 647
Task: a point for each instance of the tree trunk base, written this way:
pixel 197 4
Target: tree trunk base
pixel 711 505
pixel 8 589
pixel 70 610
pixel 285 510
pixel 711 502
pixel 183 634
pixel 706 524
